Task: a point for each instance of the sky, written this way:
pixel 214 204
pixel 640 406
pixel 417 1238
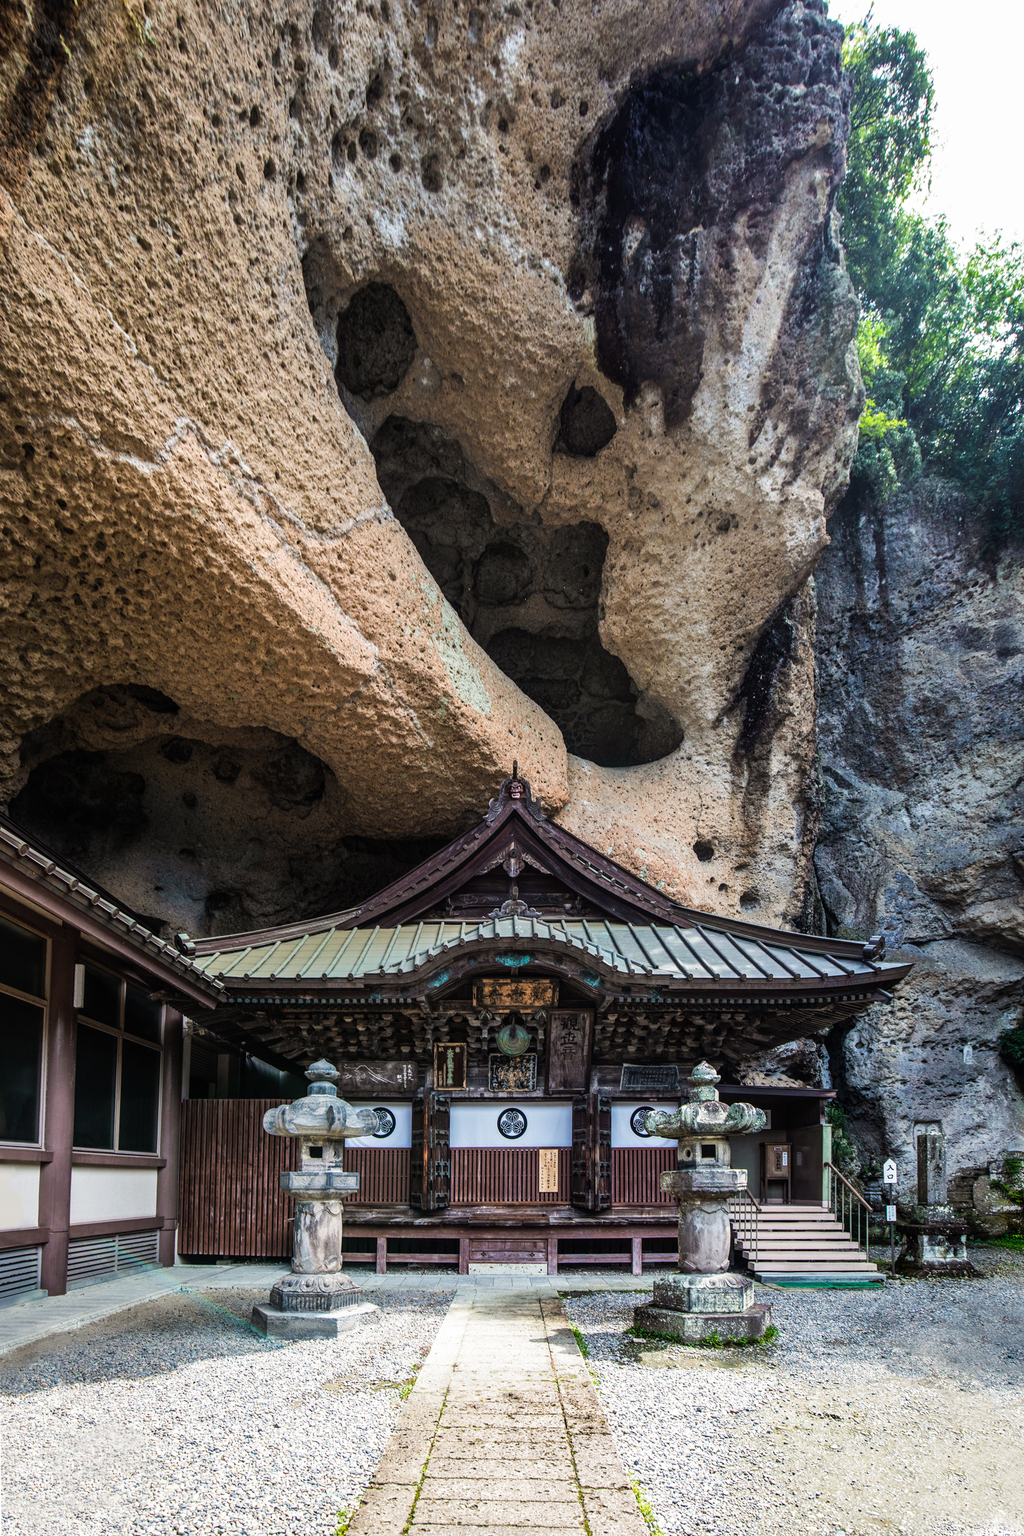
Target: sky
pixel 975 53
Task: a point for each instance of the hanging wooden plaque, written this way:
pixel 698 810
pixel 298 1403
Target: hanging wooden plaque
pixel 377 1079
pixel 513 1074
pixel 504 994
pixel 569 1045
pixel 449 1065
pixel 548 1171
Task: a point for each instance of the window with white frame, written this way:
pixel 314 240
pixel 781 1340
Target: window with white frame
pixel 117 1064
pixel 22 1022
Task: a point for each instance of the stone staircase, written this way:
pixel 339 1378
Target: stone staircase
pixel 802 1245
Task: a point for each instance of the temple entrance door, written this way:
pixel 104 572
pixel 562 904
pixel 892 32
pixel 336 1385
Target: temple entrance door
pixel 430 1168
pixel 591 1167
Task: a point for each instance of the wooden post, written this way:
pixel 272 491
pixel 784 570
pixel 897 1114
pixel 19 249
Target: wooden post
pixel 382 1255
pixel 463 1255
pixel 170 1137
pixel 58 1112
pixel 552 1255
pixel 638 1255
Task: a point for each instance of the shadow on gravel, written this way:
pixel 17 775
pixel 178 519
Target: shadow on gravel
pixel 154 1339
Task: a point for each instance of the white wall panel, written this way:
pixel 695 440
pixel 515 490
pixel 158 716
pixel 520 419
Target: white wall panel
pixel 548 1123
pixel 112 1194
pixel 19 1195
pixel 623 1134
pixel 401 1136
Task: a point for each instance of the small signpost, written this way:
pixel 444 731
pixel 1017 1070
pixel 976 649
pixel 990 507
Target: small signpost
pixel 889 1179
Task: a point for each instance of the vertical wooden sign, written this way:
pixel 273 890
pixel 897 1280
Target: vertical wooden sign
pixel 570 1038
pixel 449 1065
pixel 548 1171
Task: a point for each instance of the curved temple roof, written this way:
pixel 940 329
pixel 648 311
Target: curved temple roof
pixel 402 939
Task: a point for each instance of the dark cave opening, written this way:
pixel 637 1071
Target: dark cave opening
pixel 206 836
pixel 586 423
pixel 528 594
pixel 376 341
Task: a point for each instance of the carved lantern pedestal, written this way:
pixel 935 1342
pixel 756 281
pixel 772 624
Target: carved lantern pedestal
pixel 317 1301
pixel 703 1298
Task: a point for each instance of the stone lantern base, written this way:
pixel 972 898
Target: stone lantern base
pixel 694 1307
pixel 936 1248
pixel 313 1307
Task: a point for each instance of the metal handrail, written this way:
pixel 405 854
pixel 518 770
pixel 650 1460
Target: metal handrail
pixel 744 1214
pixel 847 1204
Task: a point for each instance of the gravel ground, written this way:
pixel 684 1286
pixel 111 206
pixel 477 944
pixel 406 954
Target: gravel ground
pixel 177 1417
pixel 897 1410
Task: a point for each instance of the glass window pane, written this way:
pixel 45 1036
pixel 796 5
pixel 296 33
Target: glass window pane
pixel 95 1081
pixel 102 996
pixel 21 1048
pixel 140 1093
pixel 141 1017
pixel 22 958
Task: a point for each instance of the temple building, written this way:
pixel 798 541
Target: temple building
pixel 511 1009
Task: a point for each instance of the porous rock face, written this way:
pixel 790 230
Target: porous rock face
pixel 591 249
pixel 920 649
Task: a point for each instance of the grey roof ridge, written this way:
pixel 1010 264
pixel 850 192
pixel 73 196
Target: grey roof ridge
pixel 14 846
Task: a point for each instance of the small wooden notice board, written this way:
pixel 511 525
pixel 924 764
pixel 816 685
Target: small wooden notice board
pixel 548 1172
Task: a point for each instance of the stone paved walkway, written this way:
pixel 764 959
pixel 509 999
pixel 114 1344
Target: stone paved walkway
pixel 502 1433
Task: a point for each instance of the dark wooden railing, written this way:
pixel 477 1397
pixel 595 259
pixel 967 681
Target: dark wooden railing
pixel 232 1205
pixel 504 1176
pixel 636 1175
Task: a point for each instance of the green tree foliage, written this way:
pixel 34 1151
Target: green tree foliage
pixel 941 338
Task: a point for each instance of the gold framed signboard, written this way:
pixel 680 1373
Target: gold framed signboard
pixel 503 994
pixel 449 1065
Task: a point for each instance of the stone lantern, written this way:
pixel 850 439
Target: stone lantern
pixel 316 1300
pixel 703 1298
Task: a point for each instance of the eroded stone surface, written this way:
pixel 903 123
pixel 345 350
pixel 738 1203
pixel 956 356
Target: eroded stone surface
pixel 192 505
pixel 921 635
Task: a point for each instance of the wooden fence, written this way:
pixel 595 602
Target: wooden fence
pixel 383 1175
pixel 504 1176
pixel 231 1205
pixel 636 1175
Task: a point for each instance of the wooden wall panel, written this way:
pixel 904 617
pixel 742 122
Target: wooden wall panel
pixel 505 1176
pixel 231 1204
pixel 636 1175
pixel 383 1175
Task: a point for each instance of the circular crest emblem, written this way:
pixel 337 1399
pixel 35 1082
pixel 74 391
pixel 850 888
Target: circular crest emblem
pixel 638 1120
pixel 385 1123
pixel 511 1124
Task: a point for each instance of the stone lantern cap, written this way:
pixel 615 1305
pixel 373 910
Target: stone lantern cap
pixel 320 1115
pixel 705 1116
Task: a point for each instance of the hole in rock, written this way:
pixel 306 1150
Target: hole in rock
pixel 368 143
pixel 528 594
pixel 704 851
pixel 376 342
pixel 201 836
pixel 750 901
pixel 586 422
pixel 321 28
pixel 430 172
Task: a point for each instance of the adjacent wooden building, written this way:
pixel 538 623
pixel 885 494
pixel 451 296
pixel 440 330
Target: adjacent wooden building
pixel 511 1009
pixel 90 1077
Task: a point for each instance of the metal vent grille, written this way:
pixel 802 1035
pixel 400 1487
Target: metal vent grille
pixel 19 1271
pixel 97 1258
